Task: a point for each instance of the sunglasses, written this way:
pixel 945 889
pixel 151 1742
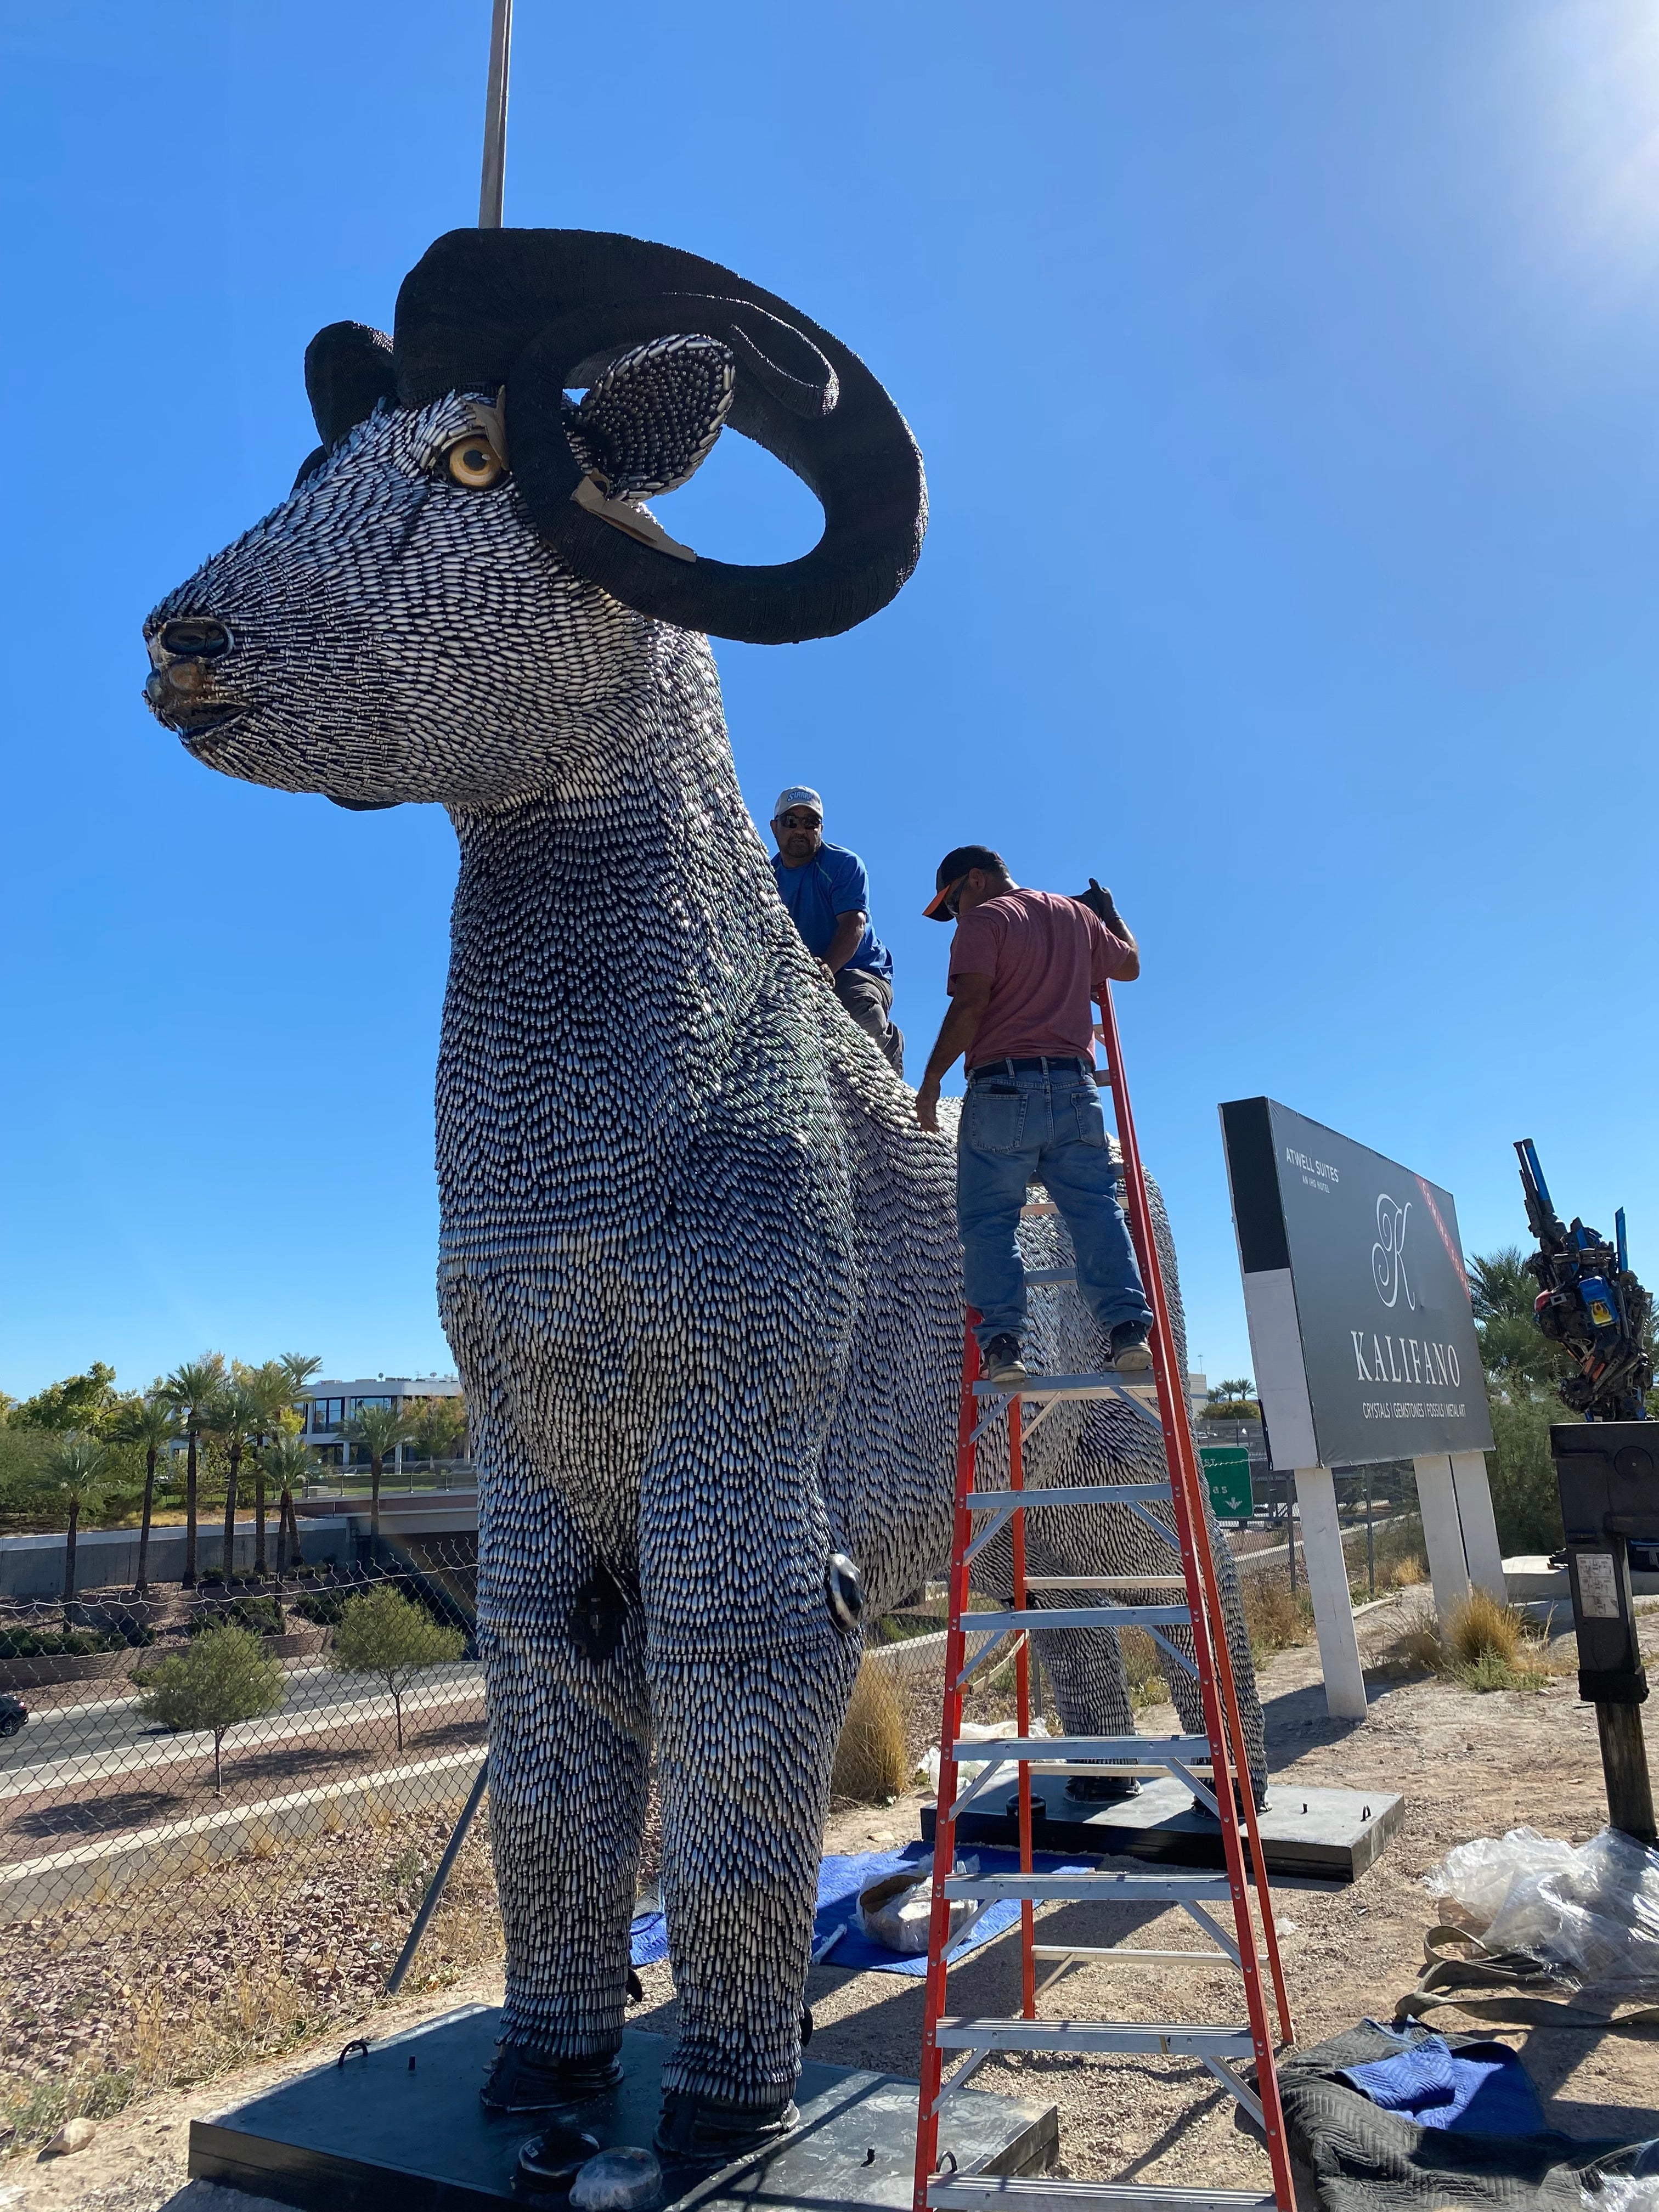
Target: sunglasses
pixel 796 821
pixel 942 906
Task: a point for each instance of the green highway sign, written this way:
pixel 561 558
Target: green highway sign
pixel 1227 1472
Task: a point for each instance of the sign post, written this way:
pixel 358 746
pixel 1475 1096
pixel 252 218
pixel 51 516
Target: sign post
pixel 1365 1351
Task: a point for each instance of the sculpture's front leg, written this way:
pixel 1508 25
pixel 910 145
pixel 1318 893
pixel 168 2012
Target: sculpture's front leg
pixel 750 1680
pixel 568 1753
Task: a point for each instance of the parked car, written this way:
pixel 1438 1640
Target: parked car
pixel 13 1713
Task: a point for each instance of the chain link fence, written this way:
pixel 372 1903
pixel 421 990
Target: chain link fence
pixel 220 1808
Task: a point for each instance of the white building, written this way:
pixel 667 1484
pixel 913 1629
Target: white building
pixel 328 1406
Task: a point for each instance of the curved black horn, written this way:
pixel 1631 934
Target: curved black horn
pixel 539 310
pixel 349 371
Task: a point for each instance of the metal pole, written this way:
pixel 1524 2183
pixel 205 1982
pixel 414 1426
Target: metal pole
pixel 1290 1526
pixel 435 1888
pixel 493 186
pixel 1371 1541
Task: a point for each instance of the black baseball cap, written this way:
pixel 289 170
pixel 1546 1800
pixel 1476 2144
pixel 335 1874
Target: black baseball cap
pixel 953 867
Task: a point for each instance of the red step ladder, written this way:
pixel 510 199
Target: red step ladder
pixel 1222 2047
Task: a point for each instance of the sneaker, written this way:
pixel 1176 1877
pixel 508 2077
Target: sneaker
pixel 1129 1352
pixel 999 1363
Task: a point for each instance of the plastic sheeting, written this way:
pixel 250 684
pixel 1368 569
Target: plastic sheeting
pixel 1590 1914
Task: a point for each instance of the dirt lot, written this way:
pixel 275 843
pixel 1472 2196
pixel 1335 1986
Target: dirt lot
pixel 1468 1764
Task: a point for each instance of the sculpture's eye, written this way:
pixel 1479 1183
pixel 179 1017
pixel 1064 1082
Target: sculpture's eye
pixel 474 462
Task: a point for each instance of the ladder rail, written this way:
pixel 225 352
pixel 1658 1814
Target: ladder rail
pixel 1243 1882
pixel 1217 1690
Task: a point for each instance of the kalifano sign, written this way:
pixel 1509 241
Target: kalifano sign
pixel 1360 1324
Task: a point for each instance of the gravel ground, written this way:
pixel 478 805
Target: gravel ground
pixel 1469 1765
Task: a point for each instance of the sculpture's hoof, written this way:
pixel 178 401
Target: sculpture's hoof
pixel 549 2162
pixel 1101 1788
pixel 526 2080
pixel 709 2132
pixel 1260 1793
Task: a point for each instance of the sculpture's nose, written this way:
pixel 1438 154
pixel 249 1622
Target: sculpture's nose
pixel 195 638
pixel 184 656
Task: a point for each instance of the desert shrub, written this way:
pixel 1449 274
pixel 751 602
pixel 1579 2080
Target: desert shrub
pixel 383 1633
pixel 223 1677
pixel 262 1615
pixel 1525 1501
pixel 1481 1645
pixel 1276 1617
pixel 323 1607
pixel 69 1643
pixel 1480 1625
pixel 1141 1669
pixel 872 1764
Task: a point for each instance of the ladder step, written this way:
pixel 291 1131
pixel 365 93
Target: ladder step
pixel 1105 1581
pixel 982 2192
pixel 1093 1750
pixel 1064 1386
pixel 1093 1888
pixel 1093 1494
pixel 1038 1278
pixel 1080 1616
pixel 1170 2039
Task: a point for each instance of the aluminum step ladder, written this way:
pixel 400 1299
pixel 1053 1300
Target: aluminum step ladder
pixel 1205 1763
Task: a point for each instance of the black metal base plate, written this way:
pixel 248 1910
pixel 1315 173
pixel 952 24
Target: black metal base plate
pixel 402 2130
pixel 1332 1834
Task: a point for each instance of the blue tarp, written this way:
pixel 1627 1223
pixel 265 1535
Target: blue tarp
pixel 840 1877
pixel 1480 2090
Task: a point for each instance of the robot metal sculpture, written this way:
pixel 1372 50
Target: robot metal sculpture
pixel 698 1264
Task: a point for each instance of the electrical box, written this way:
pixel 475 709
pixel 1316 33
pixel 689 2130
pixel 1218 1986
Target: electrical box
pixel 1608 1472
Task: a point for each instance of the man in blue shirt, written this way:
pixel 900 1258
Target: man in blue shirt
pixel 828 895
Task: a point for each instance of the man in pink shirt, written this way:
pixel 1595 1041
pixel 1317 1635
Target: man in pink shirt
pixel 1025 969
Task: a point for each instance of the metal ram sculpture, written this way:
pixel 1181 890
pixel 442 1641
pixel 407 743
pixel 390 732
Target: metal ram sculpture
pixel 698 1265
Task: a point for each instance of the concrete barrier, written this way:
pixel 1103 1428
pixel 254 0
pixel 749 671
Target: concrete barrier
pixel 31 1567
pixel 93 1873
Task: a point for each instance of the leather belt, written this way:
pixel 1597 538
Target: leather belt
pixel 1071 1063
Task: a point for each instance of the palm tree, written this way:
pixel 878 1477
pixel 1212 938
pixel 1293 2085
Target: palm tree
pixel 190 1390
pixel 271 1386
pixel 286 1463
pixel 152 1424
pixel 378 1430
pixel 75 1470
pixel 234 1419
pixel 298 1368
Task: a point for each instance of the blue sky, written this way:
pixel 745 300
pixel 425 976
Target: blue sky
pixel 1287 378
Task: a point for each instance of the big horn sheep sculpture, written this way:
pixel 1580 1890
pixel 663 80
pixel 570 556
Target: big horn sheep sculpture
pixel 698 1264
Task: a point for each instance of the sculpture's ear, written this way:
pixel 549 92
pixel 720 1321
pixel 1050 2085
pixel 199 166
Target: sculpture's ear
pixel 650 420
pixel 348 373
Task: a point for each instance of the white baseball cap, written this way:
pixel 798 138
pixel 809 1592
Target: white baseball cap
pixel 797 794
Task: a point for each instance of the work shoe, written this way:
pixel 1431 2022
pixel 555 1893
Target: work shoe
pixel 1129 1352
pixel 999 1363
pixel 526 2080
pixel 551 2161
pixel 710 2131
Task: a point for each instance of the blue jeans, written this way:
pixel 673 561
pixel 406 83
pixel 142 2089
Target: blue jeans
pixel 1040 1126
